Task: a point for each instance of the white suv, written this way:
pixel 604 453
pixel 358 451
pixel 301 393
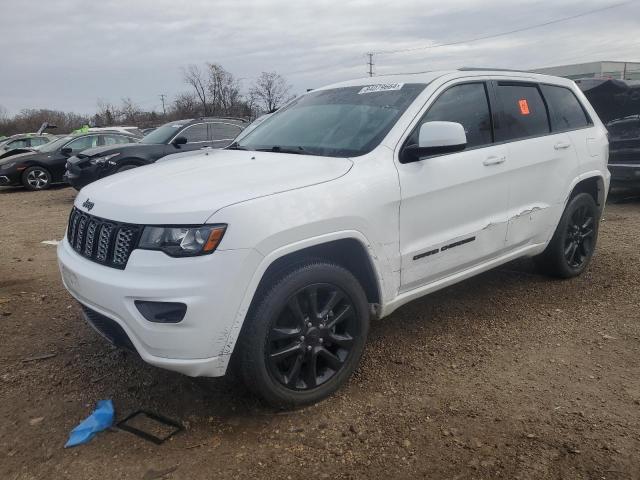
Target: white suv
pixel 273 254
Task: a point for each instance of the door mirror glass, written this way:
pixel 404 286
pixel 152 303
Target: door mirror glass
pixel 436 138
pixel 179 140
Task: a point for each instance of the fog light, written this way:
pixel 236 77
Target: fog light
pixel 162 312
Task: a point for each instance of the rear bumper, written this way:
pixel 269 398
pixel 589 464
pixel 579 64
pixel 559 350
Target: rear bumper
pixel 624 173
pixel 79 177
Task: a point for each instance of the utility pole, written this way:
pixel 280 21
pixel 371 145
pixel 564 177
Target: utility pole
pixel 370 63
pixel 164 111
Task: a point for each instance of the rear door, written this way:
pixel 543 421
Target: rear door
pixel 541 162
pixel 453 206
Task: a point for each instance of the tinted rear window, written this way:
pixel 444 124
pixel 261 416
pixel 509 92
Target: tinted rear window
pixel 564 108
pixel 525 114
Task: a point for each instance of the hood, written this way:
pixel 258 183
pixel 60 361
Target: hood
pixel 106 149
pixel 26 155
pixel 15 151
pixel 189 190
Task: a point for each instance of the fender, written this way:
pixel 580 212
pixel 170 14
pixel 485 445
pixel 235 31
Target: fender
pixel 269 259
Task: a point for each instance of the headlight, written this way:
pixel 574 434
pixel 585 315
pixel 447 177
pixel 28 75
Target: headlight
pixel 182 241
pixel 7 165
pixel 103 160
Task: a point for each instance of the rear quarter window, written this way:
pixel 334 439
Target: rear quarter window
pixel 523 112
pixel 565 110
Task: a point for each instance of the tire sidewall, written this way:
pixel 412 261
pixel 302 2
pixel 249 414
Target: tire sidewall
pixel 254 367
pixel 28 186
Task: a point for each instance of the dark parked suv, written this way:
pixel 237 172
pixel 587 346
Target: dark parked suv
pixel 173 137
pixel 37 170
pixel 624 151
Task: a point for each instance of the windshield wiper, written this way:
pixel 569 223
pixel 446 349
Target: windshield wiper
pixel 235 146
pixel 278 149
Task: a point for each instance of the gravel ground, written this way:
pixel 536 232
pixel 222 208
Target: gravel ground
pixel 507 375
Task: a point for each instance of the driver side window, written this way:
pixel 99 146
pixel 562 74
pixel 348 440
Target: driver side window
pixel 466 104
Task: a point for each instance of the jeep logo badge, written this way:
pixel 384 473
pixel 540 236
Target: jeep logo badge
pixel 88 204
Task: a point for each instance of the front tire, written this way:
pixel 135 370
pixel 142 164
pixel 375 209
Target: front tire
pixel 305 335
pixel 573 243
pixel 36 178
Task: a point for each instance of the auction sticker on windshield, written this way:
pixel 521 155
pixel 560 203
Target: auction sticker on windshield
pixel 382 87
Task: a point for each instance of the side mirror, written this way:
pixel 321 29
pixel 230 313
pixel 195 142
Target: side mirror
pixel 436 138
pixel 66 151
pixel 179 141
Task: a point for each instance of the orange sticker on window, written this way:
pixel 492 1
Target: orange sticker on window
pixel 524 107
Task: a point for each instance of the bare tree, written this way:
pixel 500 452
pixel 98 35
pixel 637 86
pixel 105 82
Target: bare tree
pixel 184 106
pixel 224 90
pixel 270 91
pixel 194 77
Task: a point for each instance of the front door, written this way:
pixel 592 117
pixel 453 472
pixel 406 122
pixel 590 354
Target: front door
pixel 453 211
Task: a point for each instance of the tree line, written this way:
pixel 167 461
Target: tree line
pixel 211 91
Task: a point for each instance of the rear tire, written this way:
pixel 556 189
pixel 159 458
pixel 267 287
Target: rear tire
pixel 36 178
pixel 573 243
pixel 305 335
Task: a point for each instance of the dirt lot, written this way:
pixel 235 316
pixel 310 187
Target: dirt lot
pixel 508 375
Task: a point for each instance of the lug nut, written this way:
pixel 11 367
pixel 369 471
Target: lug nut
pixel 309 348
pixel 320 340
pixel 309 324
pixel 302 338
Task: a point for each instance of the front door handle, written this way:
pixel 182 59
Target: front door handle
pixel 494 160
pixel 561 145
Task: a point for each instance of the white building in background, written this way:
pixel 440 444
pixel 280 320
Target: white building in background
pixel 603 69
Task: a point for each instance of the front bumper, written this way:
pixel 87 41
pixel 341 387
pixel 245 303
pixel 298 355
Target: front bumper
pixel 9 178
pixel 624 173
pixel 212 287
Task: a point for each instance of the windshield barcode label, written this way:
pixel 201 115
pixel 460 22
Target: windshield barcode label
pixel 382 87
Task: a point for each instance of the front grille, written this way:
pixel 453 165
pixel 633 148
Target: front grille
pixel 109 329
pixel 102 241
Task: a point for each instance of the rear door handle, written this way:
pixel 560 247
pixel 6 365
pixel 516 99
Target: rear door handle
pixel 494 160
pixel 561 145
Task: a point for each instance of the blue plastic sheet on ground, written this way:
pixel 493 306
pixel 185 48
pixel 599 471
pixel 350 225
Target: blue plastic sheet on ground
pixel 101 419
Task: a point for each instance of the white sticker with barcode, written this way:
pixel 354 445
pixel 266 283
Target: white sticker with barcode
pixel 381 87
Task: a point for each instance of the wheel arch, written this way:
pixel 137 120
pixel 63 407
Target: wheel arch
pixel 592 183
pixel 348 249
pixel 137 161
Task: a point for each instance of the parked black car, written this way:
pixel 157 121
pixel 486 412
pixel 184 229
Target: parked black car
pixel 37 170
pixel 617 103
pixel 173 137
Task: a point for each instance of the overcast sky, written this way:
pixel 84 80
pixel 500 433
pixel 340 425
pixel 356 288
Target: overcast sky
pixel 67 54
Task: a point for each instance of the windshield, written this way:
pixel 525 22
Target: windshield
pixel 164 133
pixel 55 145
pixel 340 122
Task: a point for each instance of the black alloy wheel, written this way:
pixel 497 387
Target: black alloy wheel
pixel 574 241
pixel 579 237
pixel 304 334
pixel 312 338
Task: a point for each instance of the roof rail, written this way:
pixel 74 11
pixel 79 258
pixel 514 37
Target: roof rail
pixel 482 69
pixel 240 119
